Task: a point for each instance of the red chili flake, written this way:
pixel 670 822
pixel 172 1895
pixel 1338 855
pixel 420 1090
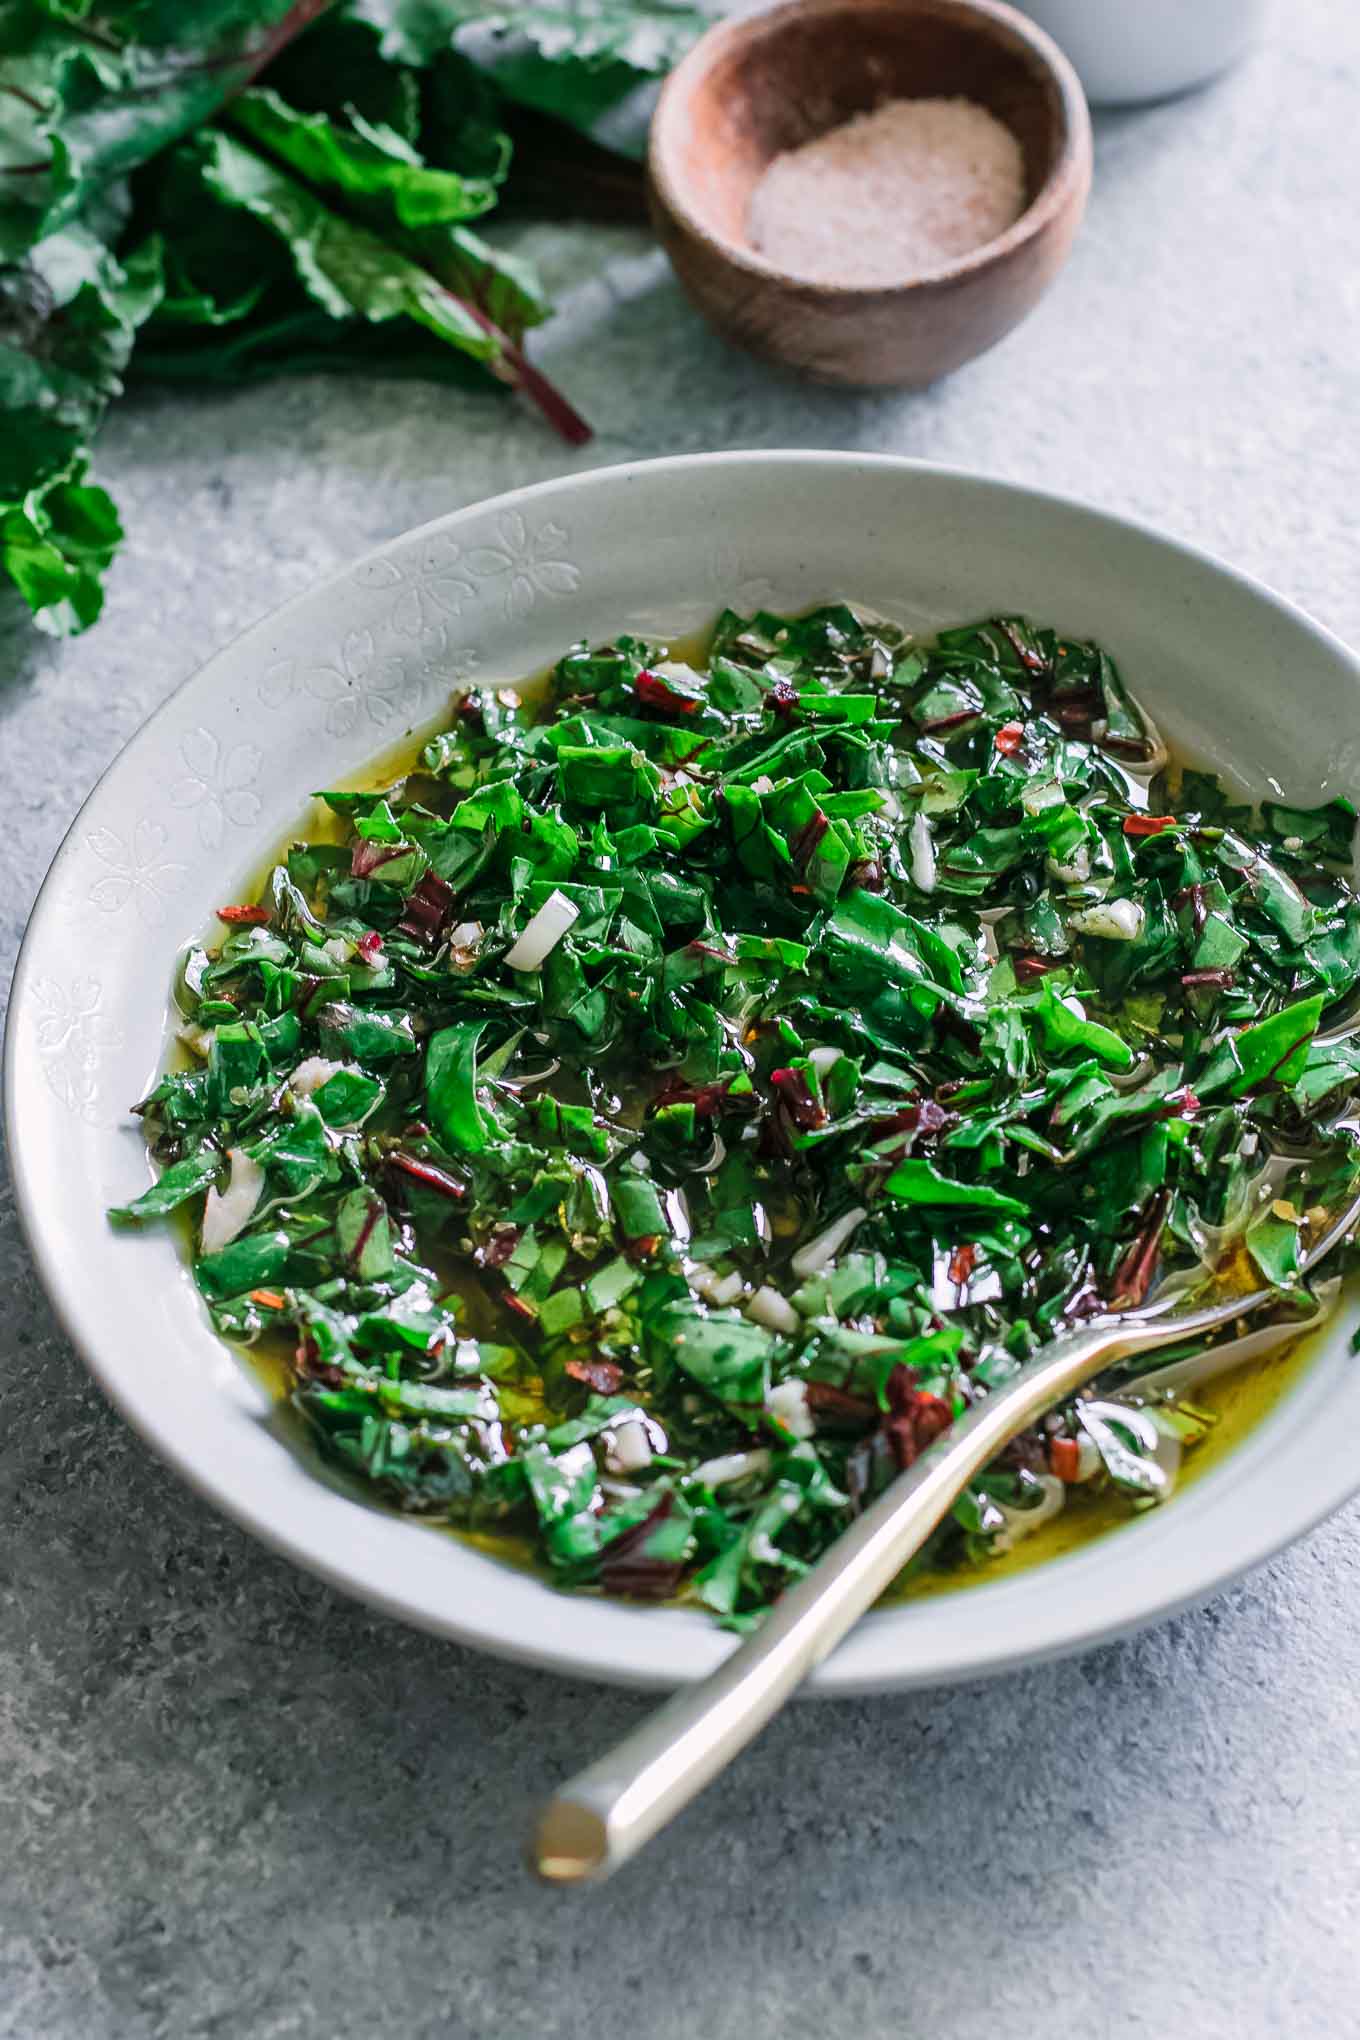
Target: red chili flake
pixel 1064 1458
pixel 370 946
pixel 1149 825
pixel 427 910
pixel 428 1173
pixel 961 1264
pixel 1224 979
pixel 520 1306
pixel 244 917
pixel 796 1094
pixel 951 722
pixel 1027 968
pixel 601 1375
pixel 643 1247
pixel 654 691
pixel 783 697
pixel 1009 738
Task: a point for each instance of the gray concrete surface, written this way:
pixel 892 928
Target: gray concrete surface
pixel 234 1803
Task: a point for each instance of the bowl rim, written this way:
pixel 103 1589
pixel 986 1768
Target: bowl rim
pixel 1069 172
pixel 1168 1580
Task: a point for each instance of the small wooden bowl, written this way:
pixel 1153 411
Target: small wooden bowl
pixel 751 88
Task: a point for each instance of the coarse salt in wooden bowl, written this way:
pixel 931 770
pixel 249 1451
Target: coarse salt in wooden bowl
pixel 755 88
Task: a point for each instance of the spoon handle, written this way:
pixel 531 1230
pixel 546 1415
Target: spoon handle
pixel 605 1814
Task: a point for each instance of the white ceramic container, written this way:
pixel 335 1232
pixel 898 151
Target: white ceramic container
pixel 1126 51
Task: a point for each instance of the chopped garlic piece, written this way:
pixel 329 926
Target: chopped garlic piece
pixel 1076 871
pixel 922 843
pixel 819 1252
pixel 543 932
pixel 1116 920
pixel 628 1449
pixel 230 1213
pixel 730 1466
pixel 788 1404
pixel 767 1307
pixel 310 1075
pixel 1048 793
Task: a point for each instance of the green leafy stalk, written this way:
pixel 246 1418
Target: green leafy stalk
pixel 577 60
pixel 308 174
pixel 69 314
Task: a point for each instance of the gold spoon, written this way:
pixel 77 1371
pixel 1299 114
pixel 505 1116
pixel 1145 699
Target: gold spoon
pixel 606 1813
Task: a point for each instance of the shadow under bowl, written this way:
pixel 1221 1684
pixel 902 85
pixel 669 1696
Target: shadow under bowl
pixel 752 89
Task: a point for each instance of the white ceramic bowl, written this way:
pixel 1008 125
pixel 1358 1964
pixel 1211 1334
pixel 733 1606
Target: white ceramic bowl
pixel 1128 51
pixel 220 774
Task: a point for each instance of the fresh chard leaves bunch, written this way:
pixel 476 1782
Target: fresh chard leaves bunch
pixel 675 1101
pixel 236 187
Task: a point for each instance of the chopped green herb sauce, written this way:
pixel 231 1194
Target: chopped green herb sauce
pixel 686 1090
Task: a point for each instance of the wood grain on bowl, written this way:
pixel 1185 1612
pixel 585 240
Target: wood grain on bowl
pixel 752 89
